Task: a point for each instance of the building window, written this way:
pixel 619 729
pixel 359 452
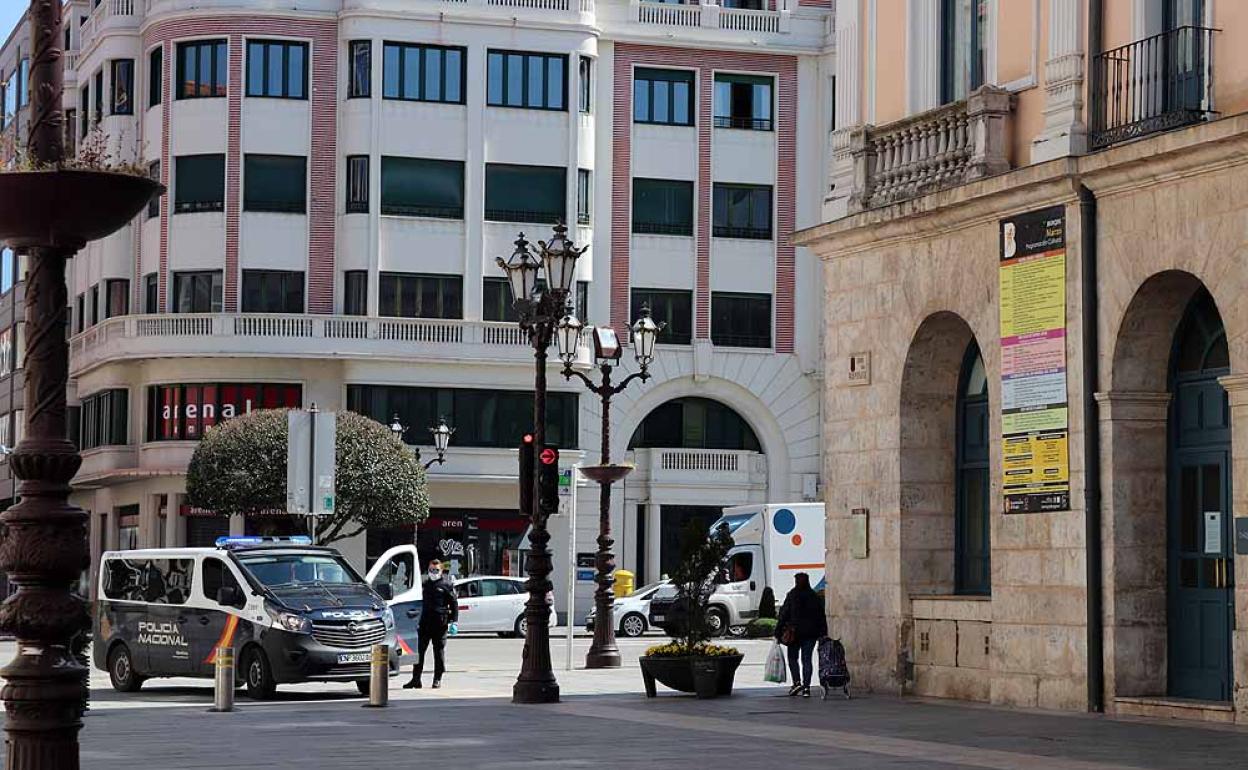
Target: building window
pixel 586 65
pixel 197 292
pixel 532 80
pixel 277 68
pixel 184 412
pixel 96 306
pixel 673 307
pixel 10 101
pixel 423 73
pixel 70 124
pixel 743 101
pixel 155 76
pixel 963 28
pixel 415 295
pixel 695 423
pixel 496 304
pixel 198 183
pixel 84 110
pixel 741 320
pixel 482 418
pixel 117 297
pixel 355 292
pixel 98 106
pixel 8 351
pixel 80 313
pixel 153 203
pixel 360 64
pixel 104 419
pixel 973 490
pixel 584 196
pixel 202 69
pixel 357 184
pixel 581 306
pixel 275 183
pixel 742 211
pixel 663 96
pixel 151 293
pixel 663 206
pixel 23 83
pixel 420 187
pixel 8 270
pixel 122 75
pixel 535 194
pixel 272 291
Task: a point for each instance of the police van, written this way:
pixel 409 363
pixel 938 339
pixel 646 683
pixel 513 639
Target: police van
pixel 293 612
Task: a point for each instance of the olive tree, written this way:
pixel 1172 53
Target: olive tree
pixel 240 467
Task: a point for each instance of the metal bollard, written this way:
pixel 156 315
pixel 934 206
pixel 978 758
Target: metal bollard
pixel 379 677
pixel 223 681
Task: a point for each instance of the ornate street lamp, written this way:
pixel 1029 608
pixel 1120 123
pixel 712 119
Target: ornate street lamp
pixel 50 212
pixel 441 439
pixel 603 652
pixel 540 315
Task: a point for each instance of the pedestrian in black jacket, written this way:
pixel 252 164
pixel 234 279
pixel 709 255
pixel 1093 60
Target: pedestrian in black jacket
pixel 439 613
pixel 802 623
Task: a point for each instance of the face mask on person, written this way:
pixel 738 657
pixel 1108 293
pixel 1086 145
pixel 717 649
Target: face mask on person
pixel 435 574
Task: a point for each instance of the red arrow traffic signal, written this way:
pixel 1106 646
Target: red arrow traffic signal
pixel 549 456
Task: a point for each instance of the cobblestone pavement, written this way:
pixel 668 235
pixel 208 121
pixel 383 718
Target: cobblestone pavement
pixel 605 721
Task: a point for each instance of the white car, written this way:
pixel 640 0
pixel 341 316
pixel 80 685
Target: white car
pixel 631 613
pixel 495 603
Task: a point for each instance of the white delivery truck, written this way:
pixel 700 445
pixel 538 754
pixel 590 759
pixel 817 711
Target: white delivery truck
pixel 773 542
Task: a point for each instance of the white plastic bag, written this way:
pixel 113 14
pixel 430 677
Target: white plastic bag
pixel 775 669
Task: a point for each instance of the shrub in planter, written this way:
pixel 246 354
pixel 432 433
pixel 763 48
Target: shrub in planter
pixel 767 604
pixel 761 628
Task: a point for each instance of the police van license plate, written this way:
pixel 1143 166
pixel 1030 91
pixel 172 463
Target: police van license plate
pixel 354 657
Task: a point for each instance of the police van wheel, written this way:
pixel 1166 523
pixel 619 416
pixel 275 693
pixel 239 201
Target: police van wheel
pixel 121 670
pixel 258 676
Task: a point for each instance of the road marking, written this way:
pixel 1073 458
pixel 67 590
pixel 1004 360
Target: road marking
pixel 905 748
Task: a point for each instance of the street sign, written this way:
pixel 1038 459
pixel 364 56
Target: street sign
pixel 549 456
pixel 311 438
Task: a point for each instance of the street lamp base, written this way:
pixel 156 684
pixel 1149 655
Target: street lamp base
pixel 535 692
pixel 603 658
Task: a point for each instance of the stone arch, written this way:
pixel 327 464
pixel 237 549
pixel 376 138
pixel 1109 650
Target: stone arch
pixel 928 433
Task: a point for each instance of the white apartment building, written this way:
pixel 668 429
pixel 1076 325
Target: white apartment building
pixel 342 175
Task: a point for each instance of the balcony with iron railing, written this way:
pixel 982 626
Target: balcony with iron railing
pixel 1156 84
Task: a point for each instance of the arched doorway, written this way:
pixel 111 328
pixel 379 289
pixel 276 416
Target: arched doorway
pixel 1200 567
pixel 972 564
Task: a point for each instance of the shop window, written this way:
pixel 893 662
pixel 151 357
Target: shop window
pixel 202 69
pixel 741 320
pixel 963 34
pixel 355 292
pixel 423 73
pixel 357 184
pixel 694 423
pixel 184 412
pixel 360 62
pixel 122 82
pixel 277 69
pixel 663 96
pixel 104 419
pixel 275 183
pixel 535 81
pixel 741 211
pixel 155 76
pixel 116 297
pixel 197 292
pixel 527 194
pixel 420 187
pixel 272 291
pixel 198 183
pixel 743 101
pixel 973 571
pixel 663 206
pixel 415 295
pixel 673 307
pixel 151 293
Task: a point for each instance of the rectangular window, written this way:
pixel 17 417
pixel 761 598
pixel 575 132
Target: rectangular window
pixel 663 206
pixel 84 110
pixel 532 80
pixel 357 184
pixel 97 110
pixel 586 65
pixel 423 73
pixel 963 24
pixel 415 295
pixel 122 75
pixel 8 270
pixel 355 292
pixel 742 211
pixel 584 196
pixel 7 353
pixel 80 313
pixel 96 307
pixel 741 320
pixel 496 302
pixel 670 306
pixel 151 293
pixel 360 68
pixel 184 412
pixel 275 183
pixel 277 69
pixel 582 301
pixel 535 194
pixel 197 292
pixel 743 101
pixel 155 76
pixel 153 204
pixel 272 291
pixel 70 125
pixel 202 69
pixel 663 96
pixel 117 297
pixel 23 83
pixel 104 419
pixel 198 183
pixel 420 187
pixel 482 418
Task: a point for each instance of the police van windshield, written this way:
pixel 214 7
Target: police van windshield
pixel 283 570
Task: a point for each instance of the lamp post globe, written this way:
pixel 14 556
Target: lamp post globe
pixel 645 333
pixel 396 427
pixel 441 436
pixel 568 338
pixel 521 270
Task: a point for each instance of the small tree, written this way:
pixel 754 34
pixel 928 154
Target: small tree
pixel 702 563
pixel 240 467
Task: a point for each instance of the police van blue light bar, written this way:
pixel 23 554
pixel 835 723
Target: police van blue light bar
pixel 235 542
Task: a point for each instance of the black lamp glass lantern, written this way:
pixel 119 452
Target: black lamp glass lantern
pixel 521 269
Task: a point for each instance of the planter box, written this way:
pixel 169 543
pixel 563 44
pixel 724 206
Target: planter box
pixel 708 677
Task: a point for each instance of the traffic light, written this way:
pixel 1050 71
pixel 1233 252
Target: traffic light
pixel 548 479
pixel 527 459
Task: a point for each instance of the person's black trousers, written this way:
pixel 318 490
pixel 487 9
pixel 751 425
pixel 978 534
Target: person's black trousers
pixel 436 637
